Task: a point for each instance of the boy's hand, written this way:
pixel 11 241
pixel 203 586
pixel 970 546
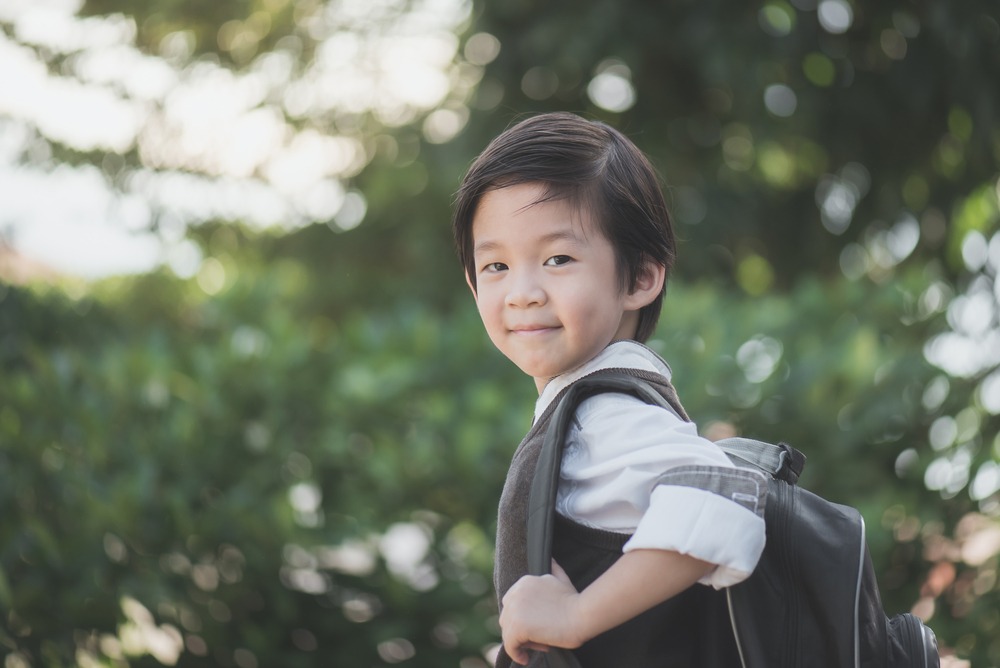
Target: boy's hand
pixel 540 612
pixel 546 611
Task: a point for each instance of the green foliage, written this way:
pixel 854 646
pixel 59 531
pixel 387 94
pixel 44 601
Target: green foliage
pixel 252 476
pixel 872 106
pixel 203 457
pixel 293 458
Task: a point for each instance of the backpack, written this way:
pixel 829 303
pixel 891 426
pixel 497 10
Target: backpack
pixel 812 600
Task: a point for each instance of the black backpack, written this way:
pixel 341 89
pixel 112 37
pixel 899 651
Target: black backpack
pixel 812 600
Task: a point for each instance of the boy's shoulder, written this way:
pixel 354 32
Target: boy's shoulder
pixel 618 355
pixel 613 412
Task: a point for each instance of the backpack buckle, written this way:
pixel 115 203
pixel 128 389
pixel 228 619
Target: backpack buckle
pixel 791 462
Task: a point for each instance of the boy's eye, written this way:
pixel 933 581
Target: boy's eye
pixel 557 260
pixel 494 267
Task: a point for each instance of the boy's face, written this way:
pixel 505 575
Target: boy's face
pixel 546 283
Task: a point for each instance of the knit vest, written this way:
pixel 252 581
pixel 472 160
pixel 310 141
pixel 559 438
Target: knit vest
pixel 690 629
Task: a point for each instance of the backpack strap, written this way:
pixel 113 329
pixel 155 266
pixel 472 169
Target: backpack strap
pixel 781 461
pixel 542 499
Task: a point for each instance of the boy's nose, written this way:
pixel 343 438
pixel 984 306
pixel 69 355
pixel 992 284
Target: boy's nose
pixel 524 291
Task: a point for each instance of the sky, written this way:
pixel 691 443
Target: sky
pixel 214 143
pixel 65 222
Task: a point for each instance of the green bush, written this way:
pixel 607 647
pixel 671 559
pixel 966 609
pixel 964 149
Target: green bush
pixel 249 479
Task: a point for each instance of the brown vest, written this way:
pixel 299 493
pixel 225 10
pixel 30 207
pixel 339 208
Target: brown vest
pixel 688 630
pixel 511 560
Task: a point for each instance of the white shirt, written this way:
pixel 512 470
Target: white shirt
pixel 617 449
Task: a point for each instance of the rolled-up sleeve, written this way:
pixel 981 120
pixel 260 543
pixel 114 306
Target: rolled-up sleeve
pixel 711 513
pixel 631 467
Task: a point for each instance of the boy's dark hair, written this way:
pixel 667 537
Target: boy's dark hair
pixel 598 170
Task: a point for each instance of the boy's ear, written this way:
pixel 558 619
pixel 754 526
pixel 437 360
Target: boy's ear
pixel 648 286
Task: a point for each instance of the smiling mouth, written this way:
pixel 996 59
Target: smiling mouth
pixel 532 330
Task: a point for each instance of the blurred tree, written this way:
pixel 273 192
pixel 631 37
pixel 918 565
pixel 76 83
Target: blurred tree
pixel 273 453
pixel 815 127
pixel 195 475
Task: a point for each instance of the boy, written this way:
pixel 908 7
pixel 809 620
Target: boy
pixel 566 242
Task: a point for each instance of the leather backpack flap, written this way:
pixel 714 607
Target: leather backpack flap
pixel 800 605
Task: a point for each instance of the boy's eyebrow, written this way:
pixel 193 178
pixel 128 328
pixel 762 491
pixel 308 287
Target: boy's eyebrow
pixel 561 235
pixel 485 246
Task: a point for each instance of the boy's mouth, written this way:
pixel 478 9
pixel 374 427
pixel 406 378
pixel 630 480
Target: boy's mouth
pixel 532 329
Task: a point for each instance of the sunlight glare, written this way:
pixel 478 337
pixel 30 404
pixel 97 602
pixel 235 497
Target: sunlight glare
pixel 312 156
pixel 611 88
pixel 84 230
pixel 52 25
pixel 414 68
pixel 191 198
pixel 835 16
pixel 214 143
pixel 964 356
pixel 989 392
pixel 101 119
pixel 142 77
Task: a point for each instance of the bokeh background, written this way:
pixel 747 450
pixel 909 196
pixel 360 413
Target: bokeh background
pixel 248 416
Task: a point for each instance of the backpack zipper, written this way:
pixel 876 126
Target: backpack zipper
pixel 857 599
pixel 736 632
pixel 788 498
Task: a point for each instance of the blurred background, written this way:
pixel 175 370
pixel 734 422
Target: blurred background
pixel 248 415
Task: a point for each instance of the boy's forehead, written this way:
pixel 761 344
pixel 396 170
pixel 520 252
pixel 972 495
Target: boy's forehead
pixel 508 201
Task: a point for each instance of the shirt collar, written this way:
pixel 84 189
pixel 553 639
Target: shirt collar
pixel 618 355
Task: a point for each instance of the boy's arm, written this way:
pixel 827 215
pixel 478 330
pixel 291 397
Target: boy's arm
pixel 547 611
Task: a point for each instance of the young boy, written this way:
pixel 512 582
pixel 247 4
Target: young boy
pixel 566 242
